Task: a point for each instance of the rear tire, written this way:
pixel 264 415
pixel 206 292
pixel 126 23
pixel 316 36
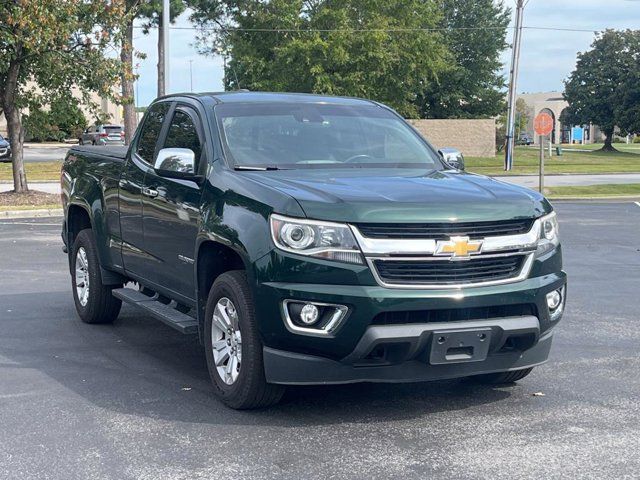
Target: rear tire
pixel 502 377
pixel 94 301
pixel 236 367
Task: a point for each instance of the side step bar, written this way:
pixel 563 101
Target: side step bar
pixel 165 313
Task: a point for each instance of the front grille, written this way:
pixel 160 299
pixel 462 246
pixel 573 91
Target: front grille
pixel 455 314
pixel 443 231
pixel 446 272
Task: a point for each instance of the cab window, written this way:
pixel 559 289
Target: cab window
pixel 150 132
pixel 183 133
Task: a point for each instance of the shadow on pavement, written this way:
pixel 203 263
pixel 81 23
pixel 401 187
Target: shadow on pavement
pixel 140 367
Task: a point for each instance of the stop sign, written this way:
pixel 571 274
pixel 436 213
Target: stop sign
pixel 543 123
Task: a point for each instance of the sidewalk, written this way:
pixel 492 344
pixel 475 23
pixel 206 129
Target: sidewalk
pixel 530 181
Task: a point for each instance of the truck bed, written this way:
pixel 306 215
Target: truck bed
pixel 113 153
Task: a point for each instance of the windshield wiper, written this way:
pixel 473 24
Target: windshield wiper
pixel 256 168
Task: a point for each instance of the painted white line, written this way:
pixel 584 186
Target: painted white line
pixel 637 203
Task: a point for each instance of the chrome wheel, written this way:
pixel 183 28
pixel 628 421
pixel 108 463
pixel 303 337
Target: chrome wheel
pixel 226 341
pixel 82 276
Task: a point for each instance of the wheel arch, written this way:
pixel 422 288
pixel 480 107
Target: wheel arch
pixel 214 258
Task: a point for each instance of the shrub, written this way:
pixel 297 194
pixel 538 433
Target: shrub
pixel 63 120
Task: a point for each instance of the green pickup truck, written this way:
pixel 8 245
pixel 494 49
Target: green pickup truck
pixel 312 240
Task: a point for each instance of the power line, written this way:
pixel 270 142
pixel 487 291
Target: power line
pixel 366 30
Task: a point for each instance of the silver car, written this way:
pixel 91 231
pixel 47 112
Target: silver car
pixel 103 135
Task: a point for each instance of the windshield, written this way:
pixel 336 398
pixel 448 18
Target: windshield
pixel 287 136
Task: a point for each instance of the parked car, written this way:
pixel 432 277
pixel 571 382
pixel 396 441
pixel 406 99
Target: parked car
pixel 5 150
pixel 102 135
pixel 312 240
pixel 525 139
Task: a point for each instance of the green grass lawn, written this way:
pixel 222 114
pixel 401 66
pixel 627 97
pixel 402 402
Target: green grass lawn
pixel 575 159
pixel 586 159
pixel 36 171
pixel 607 190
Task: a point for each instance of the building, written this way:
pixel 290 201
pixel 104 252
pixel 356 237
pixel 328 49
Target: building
pixel 554 104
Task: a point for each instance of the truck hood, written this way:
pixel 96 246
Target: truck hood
pixel 377 195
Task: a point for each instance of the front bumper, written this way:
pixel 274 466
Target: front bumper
pixel 290 368
pixel 345 355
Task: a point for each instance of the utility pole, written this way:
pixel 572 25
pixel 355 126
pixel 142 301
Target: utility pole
pixel 191 75
pixel 166 21
pixel 513 81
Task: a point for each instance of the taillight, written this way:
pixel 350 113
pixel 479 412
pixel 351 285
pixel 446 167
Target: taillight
pixel 104 135
pixel 122 133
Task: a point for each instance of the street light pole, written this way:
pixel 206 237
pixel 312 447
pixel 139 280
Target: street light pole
pixel 513 80
pixel 166 20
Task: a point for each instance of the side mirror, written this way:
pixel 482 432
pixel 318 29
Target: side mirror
pixel 452 157
pixel 176 163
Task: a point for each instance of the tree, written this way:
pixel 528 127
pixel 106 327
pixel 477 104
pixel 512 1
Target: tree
pixel 55 45
pixel 151 13
pixel 383 50
pixel 473 87
pixel 127 76
pixel 601 88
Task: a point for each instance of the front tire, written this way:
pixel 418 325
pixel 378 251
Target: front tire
pixel 503 377
pixel 233 347
pixel 94 301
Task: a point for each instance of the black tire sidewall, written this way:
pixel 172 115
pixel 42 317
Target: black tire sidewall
pixel 90 312
pixel 251 367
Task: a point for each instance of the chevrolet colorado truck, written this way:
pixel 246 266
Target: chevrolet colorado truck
pixel 312 240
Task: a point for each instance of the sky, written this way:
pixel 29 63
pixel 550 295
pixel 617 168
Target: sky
pixel 547 56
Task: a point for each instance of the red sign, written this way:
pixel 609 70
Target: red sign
pixel 543 124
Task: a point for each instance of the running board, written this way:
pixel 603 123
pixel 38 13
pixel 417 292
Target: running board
pixel 165 313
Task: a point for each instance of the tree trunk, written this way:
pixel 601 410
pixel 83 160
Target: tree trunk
pixel 161 91
pixel 128 99
pixel 608 142
pixel 14 127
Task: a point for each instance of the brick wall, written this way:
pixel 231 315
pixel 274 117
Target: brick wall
pixel 474 138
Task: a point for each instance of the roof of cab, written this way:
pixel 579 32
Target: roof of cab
pixel 243 96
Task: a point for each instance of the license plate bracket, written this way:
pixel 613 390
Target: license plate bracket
pixel 459 345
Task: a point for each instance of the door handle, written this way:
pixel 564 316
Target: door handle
pixel 149 192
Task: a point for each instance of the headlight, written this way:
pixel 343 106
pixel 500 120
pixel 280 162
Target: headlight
pixel 326 240
pixel 548 234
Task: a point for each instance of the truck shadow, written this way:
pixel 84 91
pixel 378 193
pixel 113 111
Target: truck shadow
pixel 137 366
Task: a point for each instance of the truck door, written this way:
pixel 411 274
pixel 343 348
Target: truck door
pixel 141 157
pixel 171 209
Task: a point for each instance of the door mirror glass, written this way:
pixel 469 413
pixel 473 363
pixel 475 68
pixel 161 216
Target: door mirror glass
pixel 452 157
pixel 181 161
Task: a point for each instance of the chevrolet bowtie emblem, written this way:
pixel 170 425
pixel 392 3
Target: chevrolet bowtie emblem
pixel 458 248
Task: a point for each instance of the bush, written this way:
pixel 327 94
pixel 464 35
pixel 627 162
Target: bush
pixel 636 139
pixel 63 120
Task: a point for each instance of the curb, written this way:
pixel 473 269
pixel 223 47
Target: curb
pixel 609 198
pixel 37 213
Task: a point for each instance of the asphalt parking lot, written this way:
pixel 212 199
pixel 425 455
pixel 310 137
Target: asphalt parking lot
pixel 133 400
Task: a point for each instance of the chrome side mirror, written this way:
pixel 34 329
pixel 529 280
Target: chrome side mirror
pixel 452 157
pixel 176 160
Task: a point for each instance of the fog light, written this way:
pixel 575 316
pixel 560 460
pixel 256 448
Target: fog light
pixel 313 318
pixel 555 303
pixel 309 314
pixel 553 299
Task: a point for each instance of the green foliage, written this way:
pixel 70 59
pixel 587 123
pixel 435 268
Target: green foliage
pixel 63 120
pixel 603 89
pixel 383 50
pixel 473 87
pixel 151 12
pixel 636 139
pixel 419 56
pixel 52 46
